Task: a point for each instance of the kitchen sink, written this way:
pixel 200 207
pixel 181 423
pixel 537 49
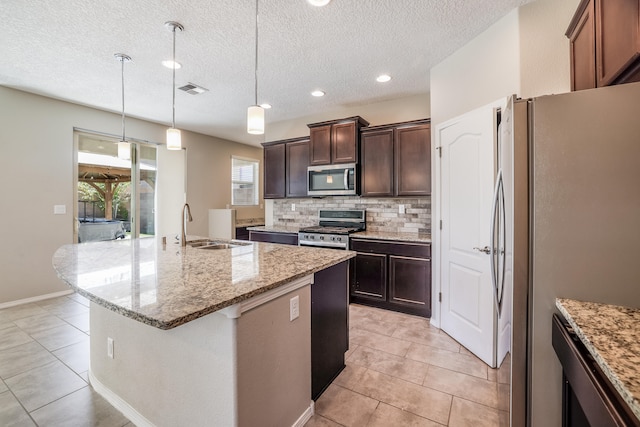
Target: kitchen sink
pixel 212 244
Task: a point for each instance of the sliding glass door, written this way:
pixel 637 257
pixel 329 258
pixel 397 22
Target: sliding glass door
pixel 115 189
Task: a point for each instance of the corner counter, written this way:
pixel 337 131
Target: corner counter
pixel 611 336
pixel 400 237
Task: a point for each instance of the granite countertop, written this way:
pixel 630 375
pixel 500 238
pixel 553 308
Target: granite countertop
pixel 249 222
pixel 275 229
pixel 384 235
pixel 612 335
pixel 167 285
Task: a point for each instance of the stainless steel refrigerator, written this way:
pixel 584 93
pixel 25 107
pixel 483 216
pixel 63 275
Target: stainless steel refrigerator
pixel 570 227
pixel 576 180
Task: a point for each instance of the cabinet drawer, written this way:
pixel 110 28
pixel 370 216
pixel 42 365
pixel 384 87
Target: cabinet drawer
pixel 417 250
pixel 271 237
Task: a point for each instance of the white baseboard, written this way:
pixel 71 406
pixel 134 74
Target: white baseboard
pixel 306 415
pixel 120 404
pixel 34 299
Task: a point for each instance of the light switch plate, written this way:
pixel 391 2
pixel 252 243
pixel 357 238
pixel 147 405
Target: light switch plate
pixel 59 209
pixel 401 209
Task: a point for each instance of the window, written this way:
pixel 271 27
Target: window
pixel 244 182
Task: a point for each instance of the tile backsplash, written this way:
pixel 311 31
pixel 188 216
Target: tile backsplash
pixel 382 214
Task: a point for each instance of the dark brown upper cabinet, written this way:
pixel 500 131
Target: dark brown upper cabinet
pixel 274 170
pixel 396 159
pixel 285 168
pixel 335 141
pixel 297 160
pixel 605 43
pixel 582 48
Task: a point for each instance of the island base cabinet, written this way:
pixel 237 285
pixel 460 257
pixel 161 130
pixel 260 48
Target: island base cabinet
pixel 215 370
pixel 329 326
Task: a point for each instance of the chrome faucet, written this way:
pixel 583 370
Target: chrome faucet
pixel 186 207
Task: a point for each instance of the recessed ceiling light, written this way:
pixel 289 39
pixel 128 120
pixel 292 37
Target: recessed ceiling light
pixel 382 78
pixel 265 106
pixel 317 93
pixel 170 64
pixel 319 3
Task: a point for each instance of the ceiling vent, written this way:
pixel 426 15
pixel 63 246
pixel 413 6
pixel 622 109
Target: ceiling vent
pixel 193 89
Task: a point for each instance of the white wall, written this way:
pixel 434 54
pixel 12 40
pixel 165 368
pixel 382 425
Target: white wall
pixel 544 49
pixel 36 171
pixel 485 69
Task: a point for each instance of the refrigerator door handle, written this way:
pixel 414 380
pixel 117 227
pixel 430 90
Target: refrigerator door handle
pixel 494 250
pixel 502 246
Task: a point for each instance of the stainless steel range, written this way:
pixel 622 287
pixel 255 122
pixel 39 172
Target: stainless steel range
pixel 333 229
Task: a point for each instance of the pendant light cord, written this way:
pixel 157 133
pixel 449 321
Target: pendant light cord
pixel 256 67
pixel 173 103
pixel 122 60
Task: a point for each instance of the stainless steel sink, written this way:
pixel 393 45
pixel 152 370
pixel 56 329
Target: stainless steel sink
pixel 212 244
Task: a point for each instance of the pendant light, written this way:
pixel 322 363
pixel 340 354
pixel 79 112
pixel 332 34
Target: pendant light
pixel 255 113
pixel 124 148
pixel 174 139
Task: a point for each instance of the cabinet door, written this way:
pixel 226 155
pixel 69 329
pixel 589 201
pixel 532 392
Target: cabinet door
pixel 410 282
pixel 297 162
pixel 413 161
pixel 274 171
pixel 582 47
pixel 344 138
pixel 320 145
pixel 617 38
pixel 377 163
pixel 370 276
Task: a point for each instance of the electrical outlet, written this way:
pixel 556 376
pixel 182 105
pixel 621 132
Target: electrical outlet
pixel 294 308
pixel 59 209
pixel 110 347
pixel 401 209
pixel 293 207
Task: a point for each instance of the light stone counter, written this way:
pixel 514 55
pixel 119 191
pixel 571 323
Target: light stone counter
pixel 167 286
pixel 402 237
pixel 249 222
pixel 612 335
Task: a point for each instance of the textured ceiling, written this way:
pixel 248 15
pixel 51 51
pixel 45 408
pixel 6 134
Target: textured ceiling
pixel 64 49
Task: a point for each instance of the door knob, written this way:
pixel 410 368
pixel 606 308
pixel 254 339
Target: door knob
pixel 485 250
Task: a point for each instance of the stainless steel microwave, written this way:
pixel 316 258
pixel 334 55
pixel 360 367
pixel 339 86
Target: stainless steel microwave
pixel 332 180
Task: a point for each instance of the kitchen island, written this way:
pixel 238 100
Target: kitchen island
pixel 194 336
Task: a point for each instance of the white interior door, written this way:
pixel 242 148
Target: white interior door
pixel 467 170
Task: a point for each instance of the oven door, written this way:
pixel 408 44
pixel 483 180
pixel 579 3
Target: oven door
pixel 332 180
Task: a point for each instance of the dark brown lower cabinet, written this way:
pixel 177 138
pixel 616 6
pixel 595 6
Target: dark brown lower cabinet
pixel 242 233
pixel 393 275
pixel 273 237
pixel 371 274
pixel 588 397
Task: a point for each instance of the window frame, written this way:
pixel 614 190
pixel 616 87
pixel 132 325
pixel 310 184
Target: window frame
pixel 255 182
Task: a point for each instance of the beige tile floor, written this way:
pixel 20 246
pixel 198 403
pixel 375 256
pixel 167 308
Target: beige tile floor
pixel 400 372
